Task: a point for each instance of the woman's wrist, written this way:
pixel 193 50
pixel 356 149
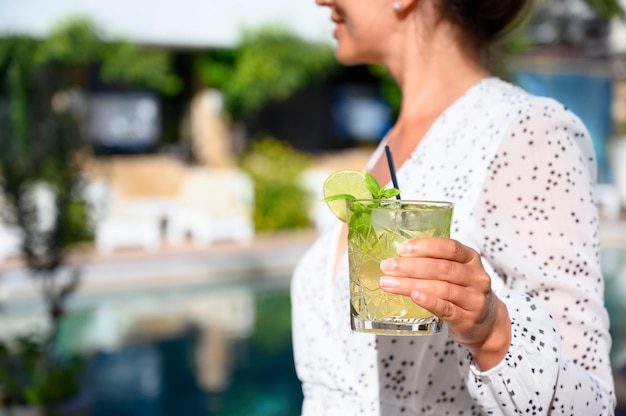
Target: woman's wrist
pixel 495 347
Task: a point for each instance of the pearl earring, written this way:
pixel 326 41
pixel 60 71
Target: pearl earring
pixel 396 5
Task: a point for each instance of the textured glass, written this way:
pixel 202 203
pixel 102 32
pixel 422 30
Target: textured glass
pixel 376 228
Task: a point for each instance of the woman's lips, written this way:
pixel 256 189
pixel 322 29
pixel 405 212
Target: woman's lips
pixel 338 24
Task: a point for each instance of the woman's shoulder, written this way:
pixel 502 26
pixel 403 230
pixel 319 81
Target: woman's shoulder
pixel 512 97
pixel 542 126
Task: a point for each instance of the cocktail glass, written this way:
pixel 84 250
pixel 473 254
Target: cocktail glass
pixel 375 229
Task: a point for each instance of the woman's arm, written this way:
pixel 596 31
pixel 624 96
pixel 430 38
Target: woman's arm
pixel 539 233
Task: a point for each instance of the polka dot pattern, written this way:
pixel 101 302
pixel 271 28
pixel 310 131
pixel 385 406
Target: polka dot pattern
pixel 521 171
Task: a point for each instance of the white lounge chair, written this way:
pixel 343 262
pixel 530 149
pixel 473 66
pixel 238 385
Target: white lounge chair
pixel 130 223
pixel 212 205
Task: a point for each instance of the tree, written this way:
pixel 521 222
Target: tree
pixel 42 149
pixel 269 64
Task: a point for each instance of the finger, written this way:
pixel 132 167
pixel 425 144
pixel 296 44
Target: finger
pixel 439 307
pixel 445 310
pixel 437 247
pixel 429 269
pixel 459 296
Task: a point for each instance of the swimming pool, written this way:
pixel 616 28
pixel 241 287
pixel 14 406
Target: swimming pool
pixel 163 377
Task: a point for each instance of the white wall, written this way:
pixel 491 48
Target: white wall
pixel 192 23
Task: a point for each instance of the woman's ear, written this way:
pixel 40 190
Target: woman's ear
pixel 403 6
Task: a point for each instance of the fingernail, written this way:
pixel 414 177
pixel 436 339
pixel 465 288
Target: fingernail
pixel 405 248
pixel 417 296
pixel 388 282
pixel 388 264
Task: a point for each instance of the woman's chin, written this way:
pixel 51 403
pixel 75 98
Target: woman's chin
pixel 346 58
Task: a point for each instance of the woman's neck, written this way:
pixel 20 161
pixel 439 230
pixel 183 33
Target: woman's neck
pixel 434 65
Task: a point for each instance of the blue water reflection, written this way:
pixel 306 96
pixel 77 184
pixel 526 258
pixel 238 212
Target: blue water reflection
pixel 162 377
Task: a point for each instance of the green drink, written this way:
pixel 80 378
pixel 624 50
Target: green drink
pixel 375 229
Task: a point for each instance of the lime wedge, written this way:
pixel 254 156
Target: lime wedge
pixel 345 182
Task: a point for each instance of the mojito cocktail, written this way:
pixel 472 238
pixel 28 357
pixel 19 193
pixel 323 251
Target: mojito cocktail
pixel 375 229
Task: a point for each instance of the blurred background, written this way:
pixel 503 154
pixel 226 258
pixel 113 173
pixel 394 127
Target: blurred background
pixel 161 167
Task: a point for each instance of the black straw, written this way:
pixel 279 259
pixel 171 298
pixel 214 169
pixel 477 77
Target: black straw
pixel 392 169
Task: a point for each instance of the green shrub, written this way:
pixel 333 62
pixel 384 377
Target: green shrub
pixel 30 375
pixel 280 203
pixel 269 64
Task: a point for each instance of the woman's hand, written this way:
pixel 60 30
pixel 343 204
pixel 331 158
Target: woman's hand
pixel 448 279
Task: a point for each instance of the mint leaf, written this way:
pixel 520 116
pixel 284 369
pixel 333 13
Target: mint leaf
pixel 377 192
pixel 360 223
pixel 389 193
pixel 360 219
pixel 372 185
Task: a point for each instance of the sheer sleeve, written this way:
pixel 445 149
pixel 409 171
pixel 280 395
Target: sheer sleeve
pixel 537 227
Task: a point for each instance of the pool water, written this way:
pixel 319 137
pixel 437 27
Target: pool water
pixel 264 381
pixel 160 378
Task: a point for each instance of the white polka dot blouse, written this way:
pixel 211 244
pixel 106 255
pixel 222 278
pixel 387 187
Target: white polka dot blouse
pixel 521 171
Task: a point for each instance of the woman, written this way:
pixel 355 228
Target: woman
pixel 518 284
